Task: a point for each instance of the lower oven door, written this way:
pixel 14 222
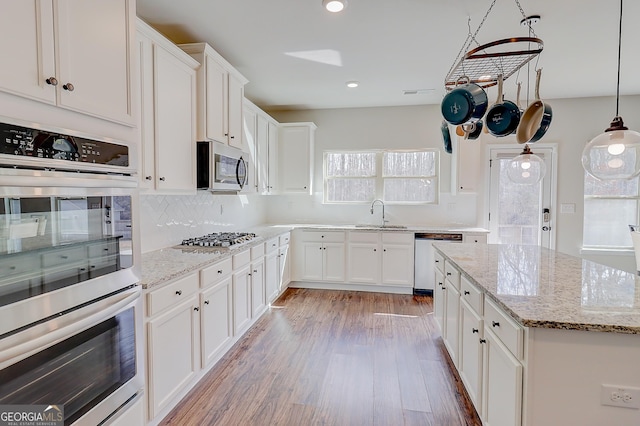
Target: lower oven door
pixel 87 362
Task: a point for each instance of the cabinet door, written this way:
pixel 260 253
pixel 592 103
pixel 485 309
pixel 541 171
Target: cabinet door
pixel 294 159
pixel 236 94
pixel 30 49
pixel 216 101
pixel 271 278
pixel 216 319
pixel 146 114
pixel 241 300
pixel 258 298
pixel 174 345
pixel 262 145
pixel 439 301
pixel 333 262
pixel 273 158
pixel 363 263
pixel 502 381
pixel 470 367
pixel 284 267
pixel 452 321
pixel 94 42
pixel 311 262
pixel 397 265
pixel 174 122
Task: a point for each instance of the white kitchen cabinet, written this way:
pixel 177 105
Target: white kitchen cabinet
pixel 272 160
pixel 271 270
pixel 284 268
pixel 475 238
pixel 397 259
pixel 74 54
pixel 216 320
pixel 250 142
pixel 220 96
pixel 502 381
pixel 452 320
pixel 257 274
pixel 465 167
pixel 322 256
pixel 295 157
pixel 167 84
pixel 470 367
pixel 439 300
pixel 241 282
pixel 260 141
pixel 173 353
pixel 363 258
pixel 383 258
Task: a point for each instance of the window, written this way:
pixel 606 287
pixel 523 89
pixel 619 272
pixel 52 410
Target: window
pixel 401 177
pixel 609 207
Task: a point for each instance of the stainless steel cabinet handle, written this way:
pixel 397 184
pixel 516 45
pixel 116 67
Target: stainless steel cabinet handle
pixel 52 81
pixel 68 87
pixel 179 292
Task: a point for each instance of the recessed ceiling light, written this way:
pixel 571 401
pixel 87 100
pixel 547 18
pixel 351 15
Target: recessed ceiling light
pixel 334 5
pixel 352 84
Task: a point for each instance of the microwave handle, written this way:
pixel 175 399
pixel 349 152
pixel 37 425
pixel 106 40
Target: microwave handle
pixel 242 162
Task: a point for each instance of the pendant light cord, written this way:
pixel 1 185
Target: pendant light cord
pixel 619 55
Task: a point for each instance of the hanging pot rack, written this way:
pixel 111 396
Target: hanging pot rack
pixel 484 63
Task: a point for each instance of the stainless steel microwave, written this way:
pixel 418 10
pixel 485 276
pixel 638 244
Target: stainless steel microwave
pixel 220 167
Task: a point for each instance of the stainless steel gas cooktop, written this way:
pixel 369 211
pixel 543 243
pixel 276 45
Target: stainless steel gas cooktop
pixel 220 239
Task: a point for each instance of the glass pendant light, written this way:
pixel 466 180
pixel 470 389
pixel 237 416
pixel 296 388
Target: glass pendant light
pixel 527 168
pixel 614 154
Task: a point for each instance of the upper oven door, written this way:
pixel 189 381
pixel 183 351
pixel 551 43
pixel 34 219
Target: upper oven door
pixel 62 246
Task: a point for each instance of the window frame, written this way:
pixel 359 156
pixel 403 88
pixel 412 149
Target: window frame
pixel 379 178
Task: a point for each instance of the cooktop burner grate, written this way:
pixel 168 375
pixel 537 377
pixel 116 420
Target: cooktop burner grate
pixel 220 239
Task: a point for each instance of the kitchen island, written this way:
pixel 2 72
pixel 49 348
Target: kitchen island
pixel 540 337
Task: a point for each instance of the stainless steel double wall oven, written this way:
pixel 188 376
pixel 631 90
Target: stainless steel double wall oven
pixel 70 309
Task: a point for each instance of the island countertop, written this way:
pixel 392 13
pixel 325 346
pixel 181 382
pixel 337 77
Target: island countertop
pixel 539 287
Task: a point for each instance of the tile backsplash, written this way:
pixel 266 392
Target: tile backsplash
pixel 165 220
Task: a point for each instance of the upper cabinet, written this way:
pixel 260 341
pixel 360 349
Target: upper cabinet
pixel 220 97
pixel 295 157
pixel 260 132
pixel 168 114
pixel 73 54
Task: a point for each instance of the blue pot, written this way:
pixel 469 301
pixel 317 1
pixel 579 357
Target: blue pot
pixel 466 102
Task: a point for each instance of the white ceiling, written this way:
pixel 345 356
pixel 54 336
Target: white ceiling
pixel 396 45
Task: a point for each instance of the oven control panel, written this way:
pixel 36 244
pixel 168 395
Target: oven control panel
pixel 34 143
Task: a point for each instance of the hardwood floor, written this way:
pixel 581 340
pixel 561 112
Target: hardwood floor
pixel 333 358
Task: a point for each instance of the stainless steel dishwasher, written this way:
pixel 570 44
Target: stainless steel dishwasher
pixel 424 282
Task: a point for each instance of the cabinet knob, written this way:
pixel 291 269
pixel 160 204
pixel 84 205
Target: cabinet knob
pixel 495 324
pixel 255 271
pixel 304 187
pixel 52 81
pixel 448 274
pixel 179 292
pixel 249 274
pixel 148 178
pixel 68 87
pixel 196 309
pixel 64 257
pixel 232 137
pixel 375 249
pixel 219 271
pixel 437 261
pixel 226 134
pixel 206 302
pixel 444 288
pixel 162 179
pixel 384 250
pixel 466 292
pixel 483 341
pixel 474 330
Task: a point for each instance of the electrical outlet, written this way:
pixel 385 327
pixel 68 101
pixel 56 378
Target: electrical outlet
pixel 620 396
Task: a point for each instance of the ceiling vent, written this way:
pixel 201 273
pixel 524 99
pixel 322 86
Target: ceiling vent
pixel 417 91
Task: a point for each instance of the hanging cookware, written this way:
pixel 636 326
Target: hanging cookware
pixel 503 117
pixel 472 130
pixel 446 136
pixel 536 118
pixel 466 102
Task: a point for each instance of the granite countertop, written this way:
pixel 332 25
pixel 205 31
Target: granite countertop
pixel 545 288
pixel 390 228
pixel 161 266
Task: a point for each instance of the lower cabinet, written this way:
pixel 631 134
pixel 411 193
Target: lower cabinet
pixel 439 300
pixel 241 282
pixel 397 259
pixel 321 256
pixel 271 272
pixel 258 298
pixel 470 365
pixel 216 320
pixel 451 320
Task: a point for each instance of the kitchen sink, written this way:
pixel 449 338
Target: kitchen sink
pixel 382 226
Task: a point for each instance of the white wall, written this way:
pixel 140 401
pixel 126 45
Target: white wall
pixel 575 122
pixel 165 220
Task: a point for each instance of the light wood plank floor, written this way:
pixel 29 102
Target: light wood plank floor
pixel 333 358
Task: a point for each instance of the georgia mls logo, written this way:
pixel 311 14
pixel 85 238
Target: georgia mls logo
pixel 31 415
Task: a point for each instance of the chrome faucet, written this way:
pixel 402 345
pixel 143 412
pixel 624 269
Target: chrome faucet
pixel 382 203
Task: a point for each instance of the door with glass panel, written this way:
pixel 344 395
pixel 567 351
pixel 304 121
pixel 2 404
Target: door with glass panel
pixel 521 213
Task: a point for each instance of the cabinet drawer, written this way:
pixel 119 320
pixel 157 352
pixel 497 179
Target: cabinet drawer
pixel 241 259
pixel 439 261
pixel 472 294
pixel 322 237
pixel 480 239
pixel 257 252
pixel 215 273
pixel 105 249
pixel 504 327
pixel 452 274
pixel 172 294
pixel 397 238
pixel 71 257
pixel 271 245
pixel 284 238
pixel 363 237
